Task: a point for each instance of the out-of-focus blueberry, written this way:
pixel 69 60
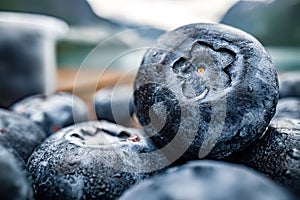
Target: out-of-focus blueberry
pixel 52 112
pixel 289 84
pixel 209 180
pixel 19 133
pixel 115 104
pixel 288 108
pixel 15 183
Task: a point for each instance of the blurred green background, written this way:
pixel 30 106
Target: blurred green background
pixel 275 23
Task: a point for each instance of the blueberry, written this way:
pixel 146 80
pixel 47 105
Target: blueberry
pixel 288 107
pixel 205 90
pixel 207 180
pixel 90 160
pixel 289 84
pixel 277 153
pixel 115 104
pixel 14 180
pixel 19 133
pixel 52 112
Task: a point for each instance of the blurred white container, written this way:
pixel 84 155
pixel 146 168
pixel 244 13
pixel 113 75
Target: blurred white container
pixel 27 54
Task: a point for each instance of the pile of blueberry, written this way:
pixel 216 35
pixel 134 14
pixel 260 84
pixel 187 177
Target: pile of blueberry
pixel 205 97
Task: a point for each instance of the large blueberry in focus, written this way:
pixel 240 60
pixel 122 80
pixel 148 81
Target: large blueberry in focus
pixel 115 104
pixel 277 153
pixel 91 160
pixel 205 90
pixel 15 183
pixel 19 133
pixel 52 112
pixel 209 180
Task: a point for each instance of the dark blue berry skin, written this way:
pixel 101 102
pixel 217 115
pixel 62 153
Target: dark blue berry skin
pixel 115 104
pixel 276 154
pixel 90 160
pixel 212 87
pixel 15 182
pixel 19 133
pixel 209 180
pixel 52 112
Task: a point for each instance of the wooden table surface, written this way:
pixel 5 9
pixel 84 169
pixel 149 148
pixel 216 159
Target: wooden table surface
pixel 85 83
